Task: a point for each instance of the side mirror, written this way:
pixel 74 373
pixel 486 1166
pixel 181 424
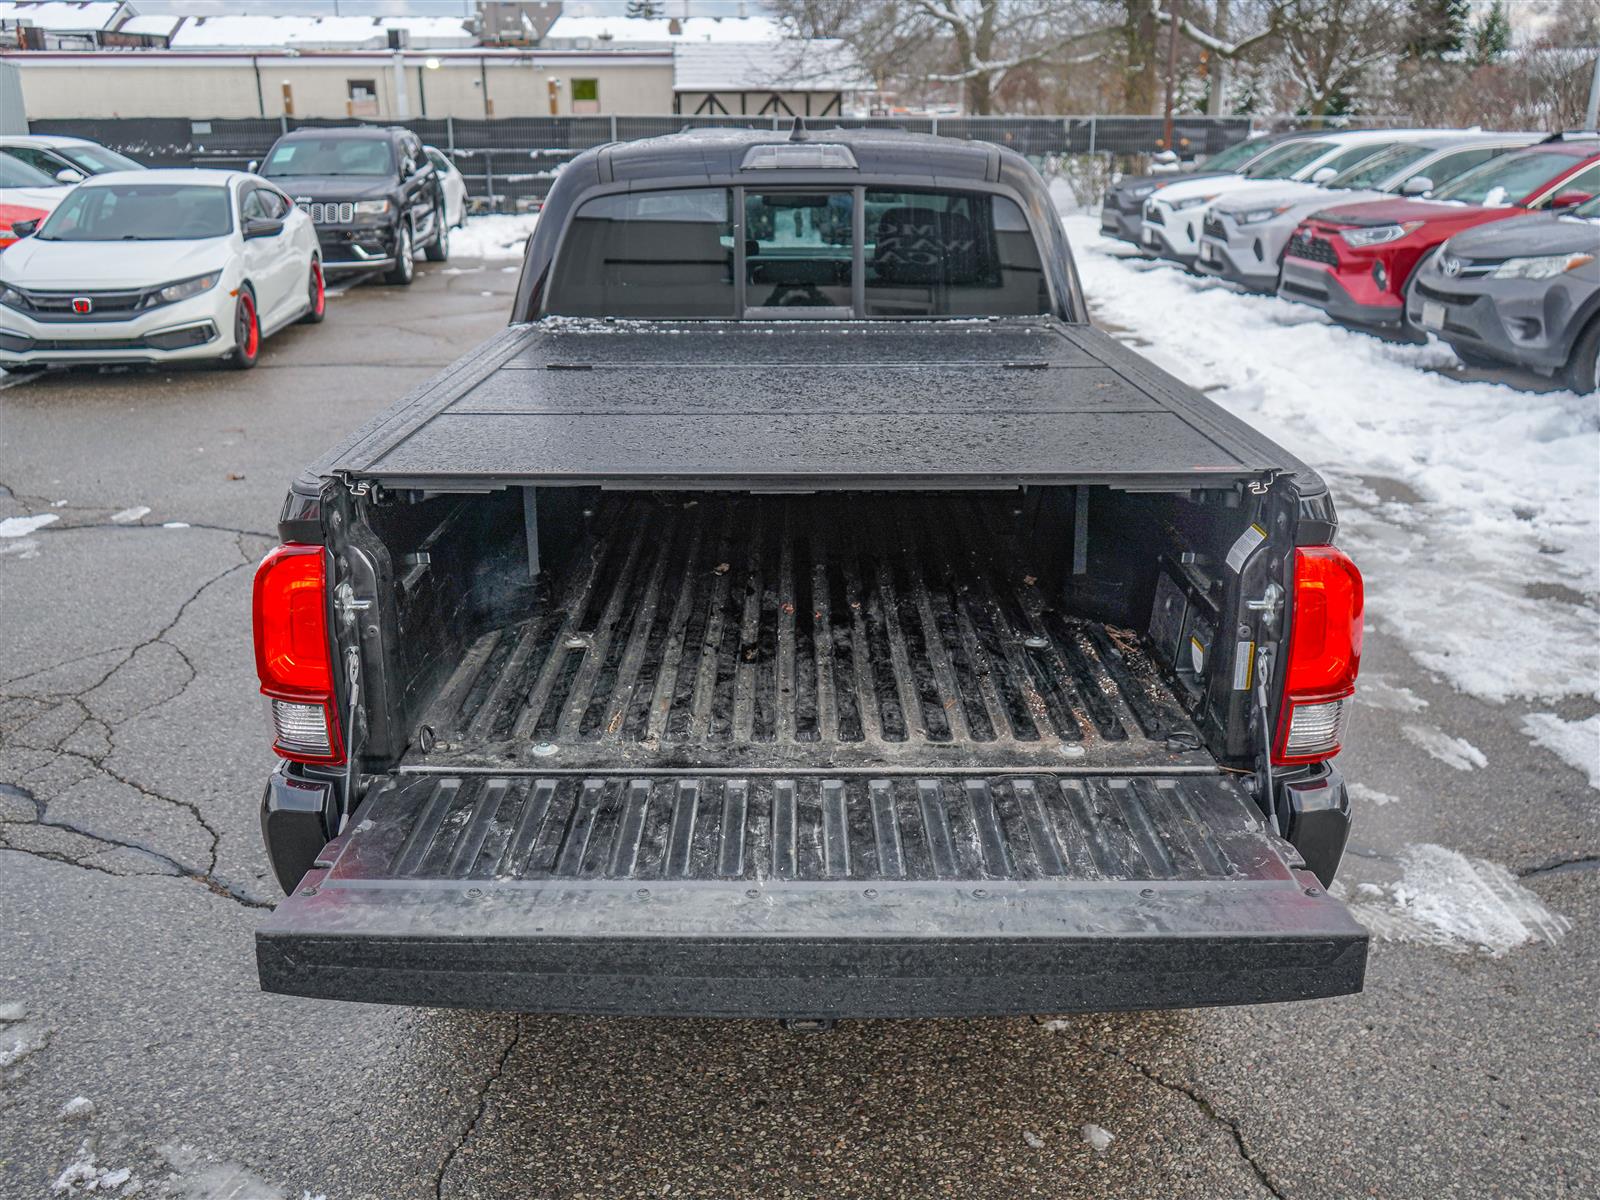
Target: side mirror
pixel 70 175
pixel 1562 200
pixel 24 229
pixel 1323 175
pixel 252 165
pixel 260 227
pixel 1417 185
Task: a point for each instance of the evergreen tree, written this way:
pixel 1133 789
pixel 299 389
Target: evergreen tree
pixel 1492 38
pixel 1437 28
pixel 649 9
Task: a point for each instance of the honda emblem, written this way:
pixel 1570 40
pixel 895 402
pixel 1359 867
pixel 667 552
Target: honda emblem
pixel 82 305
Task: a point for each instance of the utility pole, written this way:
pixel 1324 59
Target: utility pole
pixel 1172 74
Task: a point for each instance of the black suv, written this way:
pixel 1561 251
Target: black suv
pixel 371 192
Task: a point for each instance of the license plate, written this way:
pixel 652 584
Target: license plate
pixel 1208 252
pixel 1433 314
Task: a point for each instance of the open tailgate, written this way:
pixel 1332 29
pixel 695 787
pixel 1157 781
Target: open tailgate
pixel 810 895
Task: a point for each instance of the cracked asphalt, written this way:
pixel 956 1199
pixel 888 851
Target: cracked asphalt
pixel 132 752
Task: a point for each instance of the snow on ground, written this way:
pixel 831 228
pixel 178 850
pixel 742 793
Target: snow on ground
pixel 1443 898
pixel 1472 508
pixel 15 527
pixel 496 237
pixel 1575 742
pixel 1451 751
pixel 1096 1136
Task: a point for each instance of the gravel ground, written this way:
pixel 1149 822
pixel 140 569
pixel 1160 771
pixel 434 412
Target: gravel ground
pixel 132 750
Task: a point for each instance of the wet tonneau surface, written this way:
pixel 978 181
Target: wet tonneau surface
pixel 823 404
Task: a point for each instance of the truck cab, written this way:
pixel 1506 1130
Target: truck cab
pixel 802 611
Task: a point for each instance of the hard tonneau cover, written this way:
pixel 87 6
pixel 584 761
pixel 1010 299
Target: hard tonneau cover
pixel 820 405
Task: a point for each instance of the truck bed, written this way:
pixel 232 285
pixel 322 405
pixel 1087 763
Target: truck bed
pixel 860 404
pixel 921 640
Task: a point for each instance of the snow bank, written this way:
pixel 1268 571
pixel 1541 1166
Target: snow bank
pixel 495 237
pixel 1485 559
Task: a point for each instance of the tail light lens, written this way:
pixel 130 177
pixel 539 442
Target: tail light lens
pixel 294 657
pixel 1324 655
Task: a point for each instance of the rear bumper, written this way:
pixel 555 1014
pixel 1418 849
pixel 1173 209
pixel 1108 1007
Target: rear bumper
pixel 810 898
pixel 1309 283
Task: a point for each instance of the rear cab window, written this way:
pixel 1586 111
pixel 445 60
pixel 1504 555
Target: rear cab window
pixel 786 252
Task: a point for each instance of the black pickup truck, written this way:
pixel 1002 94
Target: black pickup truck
pixel 802 611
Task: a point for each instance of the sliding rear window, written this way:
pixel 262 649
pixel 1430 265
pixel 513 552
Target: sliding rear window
pixel 796 252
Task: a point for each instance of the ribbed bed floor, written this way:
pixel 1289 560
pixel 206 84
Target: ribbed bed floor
pixel 805 632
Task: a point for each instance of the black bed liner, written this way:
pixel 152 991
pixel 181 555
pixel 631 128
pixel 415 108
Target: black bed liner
pixel 916 638
pixel 985 403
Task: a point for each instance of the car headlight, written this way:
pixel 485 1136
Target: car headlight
pixel 371 208
pixel 1377 235
pixel 1255 216
pixel 12 298
pixel 181 290
pixel 1193 201
pixel 1545 266
pixel 1143 190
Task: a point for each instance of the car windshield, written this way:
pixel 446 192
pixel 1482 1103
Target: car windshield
pixel 330 156
pixel 140 212
pixel 14 173
pixel 97 160
pixel 1286 160
pixel 1233 156
pixel 1505 181
pixel 1373 171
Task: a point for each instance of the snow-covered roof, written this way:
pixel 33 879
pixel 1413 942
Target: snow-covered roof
pixel 62 16
pixel 317 33
pixel 151 25
pixel 585 33
pixel 819 65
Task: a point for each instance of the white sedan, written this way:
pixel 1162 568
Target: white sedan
pixel 159 266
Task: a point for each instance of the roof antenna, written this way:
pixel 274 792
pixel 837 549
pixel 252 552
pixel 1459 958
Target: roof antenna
pixel 799 133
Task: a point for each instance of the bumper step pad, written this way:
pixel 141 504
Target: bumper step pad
pixel 810 896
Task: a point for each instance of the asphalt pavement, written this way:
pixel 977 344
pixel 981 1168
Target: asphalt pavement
pixel 137 1055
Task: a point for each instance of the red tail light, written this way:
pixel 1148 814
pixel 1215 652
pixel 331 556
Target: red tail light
pixel 294 657
pixel 1324 655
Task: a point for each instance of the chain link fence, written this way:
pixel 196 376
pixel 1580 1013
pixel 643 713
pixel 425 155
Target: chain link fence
pixel 509 162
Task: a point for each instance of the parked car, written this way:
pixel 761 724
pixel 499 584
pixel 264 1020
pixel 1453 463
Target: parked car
pixel 12 215
pixel 372 193
pixel 1355 261
pixel 1172 216
pixel 1524 292
pixel 1122 210
pixel 764 652
pixel 159 266
pixel 1243 234
pixel 65 159
pixel 453 184
pixel 26 194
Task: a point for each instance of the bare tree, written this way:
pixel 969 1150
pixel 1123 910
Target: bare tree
pixel 973 43
pixel 1328 44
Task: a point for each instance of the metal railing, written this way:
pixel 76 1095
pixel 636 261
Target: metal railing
pixel 509 162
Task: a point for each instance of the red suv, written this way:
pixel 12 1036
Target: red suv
pixel 1355 260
